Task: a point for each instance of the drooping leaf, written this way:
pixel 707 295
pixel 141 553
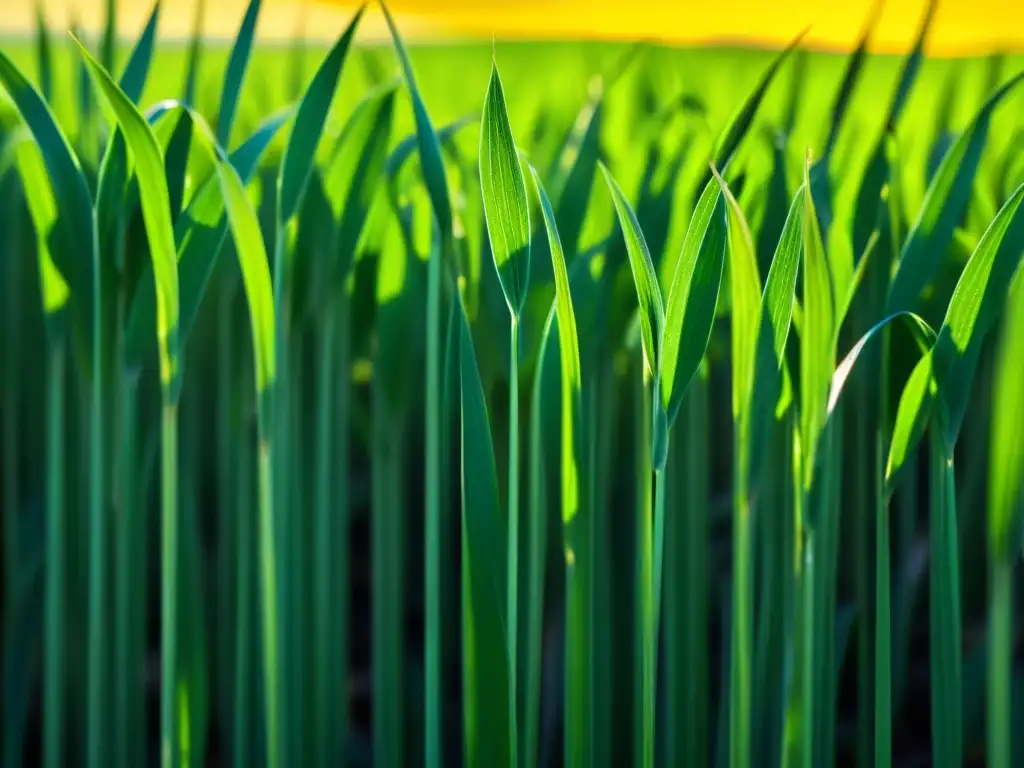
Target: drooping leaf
pixel 199 232
pixel 255 266
pixel 155 201
pixel 112 194
pixel 73 244
pixel 922 331
pixel 43 209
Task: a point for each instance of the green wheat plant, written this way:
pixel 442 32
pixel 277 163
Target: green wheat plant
pixel 642 406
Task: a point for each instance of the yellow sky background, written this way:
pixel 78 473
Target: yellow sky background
pixel 961 26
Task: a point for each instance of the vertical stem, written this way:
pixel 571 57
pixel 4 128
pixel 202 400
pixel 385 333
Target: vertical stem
pixel 295 536
pixel 512 604
pixel 862 493
pixel 169 579
pixel 386 537
pixel 127 714
pixel 742 620
pixel 601 410
pixel 883 576
pixel 806 580
pixel 325 586
pixel 12 746
pixel 694 607
pixel 579 663
pixel 96 709
pixel 432 503
pixel 242 498
pixel 883 640
pixel 1000 664
pixel 340 535
pixel 127 704
pixel 645 580
pixel 659 560
pixel 826 515
pixel 536 560
pixel 268 587
pixel 275 553
pixel 227 529
pixel 53 676
pixel 944 608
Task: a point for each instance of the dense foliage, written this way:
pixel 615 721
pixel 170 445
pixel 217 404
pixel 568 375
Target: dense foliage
pixel 604 406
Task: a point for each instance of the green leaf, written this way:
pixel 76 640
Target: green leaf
pixel 44 52
pixel 645 279
pixel 73 246
pixel 817 336
pixel 866 209
pixel 974 307
pixel 574 177
pixel 911 65
pixel 133 79
pixel 353 172
pixel 945 373
pixel 944 204
pixel 113 190
pixel 43 209
pixel 923 333
pixel 405 148
pixel 249 246
pixel 780 287
pixel 774 321
pixel 195 48
pixel 310 118
pixel 854 66
pixel 506 210
pixel 199 232
pixel 238 61
pixel 576 513
pixel 155 202
pixel 485 660
pixel 1006 471
pixel 430 148
pixel 693 297
pixel 739 124
pixel 569 347
pixel 255 266
pixel 745 301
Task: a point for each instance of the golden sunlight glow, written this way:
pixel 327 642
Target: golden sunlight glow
pixel 961 26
